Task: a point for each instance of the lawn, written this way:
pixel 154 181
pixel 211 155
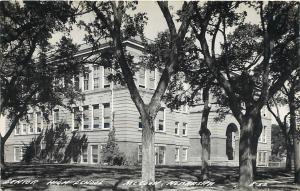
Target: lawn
pixel 78 177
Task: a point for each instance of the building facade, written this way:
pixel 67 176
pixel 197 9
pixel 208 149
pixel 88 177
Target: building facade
pixel 107 105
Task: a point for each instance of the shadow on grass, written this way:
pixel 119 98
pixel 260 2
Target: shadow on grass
pixel 114 178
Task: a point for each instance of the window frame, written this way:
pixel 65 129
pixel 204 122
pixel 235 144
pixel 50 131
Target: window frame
pixel 82 155
pixel 105 117
pixel 185 154
pixel 158 120
pixel 184 128
pixel 177 154
pixel 177 126
pixel 92 155
pixel 88 119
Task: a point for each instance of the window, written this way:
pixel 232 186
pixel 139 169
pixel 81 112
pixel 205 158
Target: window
pixel 263 135
pixel 96 77
pixel 160 154
pixel 38 122
pixel 96 116
pixel 152 79
pixel 86 81
pixel 259 157
pixel 24 129
pixel 18 130
pixel 140 123
pixel 184 154
pixel 30 123
pixel 76 83
pixel 142 77
pixel 95 154
pixel 140 153
pixel 18 153
pixel 77 117
pixel 184 129
pixel 176 128
pixel 86 117
pixel 177 154
pixel 96 83
pixel 161 119
pixel 262 158
pixel 96 69
pixel 106 115
pixel 107 72
pixel 84 157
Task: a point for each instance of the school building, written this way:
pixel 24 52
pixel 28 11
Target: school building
pixel 107 105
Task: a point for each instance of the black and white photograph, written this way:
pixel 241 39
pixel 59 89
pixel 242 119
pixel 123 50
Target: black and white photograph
pixel 150 95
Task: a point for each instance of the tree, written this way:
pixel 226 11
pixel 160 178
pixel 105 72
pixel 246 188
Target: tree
pixel 243 69
pixel 193 84
pixel 281 100
pixel 279 144
pixel 114 23
pixel 31 76
pixel 110 152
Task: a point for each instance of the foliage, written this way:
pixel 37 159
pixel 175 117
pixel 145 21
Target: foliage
pixel 275 158
pixel 29 74
pixel 278 141
pixel 56 145
pixel 35 74
pixel 33 150
pixel 111 153
pixel 74 148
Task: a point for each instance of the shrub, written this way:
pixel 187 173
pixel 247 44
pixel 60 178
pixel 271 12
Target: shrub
pixel 111 153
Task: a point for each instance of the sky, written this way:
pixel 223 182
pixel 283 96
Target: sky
pixel 156 22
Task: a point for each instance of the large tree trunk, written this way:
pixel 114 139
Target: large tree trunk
pixel 245 154
pixel 2 167
pixel 254 141
pixel 295 132
pixel 148 159
pixel 297 160
pixel 289 155
pixel 2 162
pixel 205 135
pixel 205 143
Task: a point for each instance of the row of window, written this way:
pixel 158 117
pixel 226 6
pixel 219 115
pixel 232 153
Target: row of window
pixel 28 126
pixel 82 119
pixel 89 117
pixel 100 76
pixel 92 117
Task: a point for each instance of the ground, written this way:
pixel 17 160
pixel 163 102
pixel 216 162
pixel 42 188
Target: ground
pixel 54 177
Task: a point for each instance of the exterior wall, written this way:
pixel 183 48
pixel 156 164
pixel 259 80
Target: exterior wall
pixel 128 134
pixel 218 138
pixel 125 118
pixel 126 123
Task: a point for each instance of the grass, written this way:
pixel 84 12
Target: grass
pixel 116 178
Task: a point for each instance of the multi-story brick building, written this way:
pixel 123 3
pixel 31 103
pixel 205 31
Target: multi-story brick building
pixel 177 140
